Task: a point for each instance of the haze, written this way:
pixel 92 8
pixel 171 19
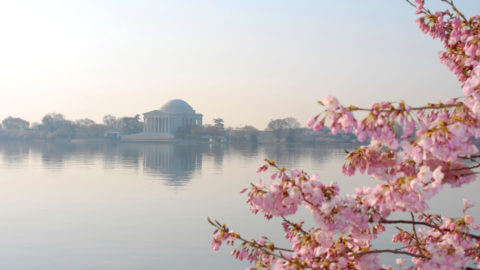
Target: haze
pixel 244 61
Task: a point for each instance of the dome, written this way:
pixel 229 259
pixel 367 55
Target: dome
pixel 178 106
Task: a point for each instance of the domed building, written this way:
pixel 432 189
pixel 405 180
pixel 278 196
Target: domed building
pixel 163 123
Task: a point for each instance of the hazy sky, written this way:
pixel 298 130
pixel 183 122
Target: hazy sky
pixel 246 61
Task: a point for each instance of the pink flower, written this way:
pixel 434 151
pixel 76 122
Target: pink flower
pixel 312 121
pixel 466 205
pixel 330 103
pixel 469 219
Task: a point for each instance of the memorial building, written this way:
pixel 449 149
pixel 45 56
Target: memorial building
pixel 163 123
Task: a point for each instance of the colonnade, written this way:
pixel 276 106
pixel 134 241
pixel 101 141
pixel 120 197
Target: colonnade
pixel 189 122
pixel 158 124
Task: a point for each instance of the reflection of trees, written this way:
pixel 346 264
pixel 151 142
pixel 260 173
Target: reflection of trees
pixel 175 163
pixel 245 149
pixel 125 155
pixel 218 153
pixel 54 155
pixel 14 153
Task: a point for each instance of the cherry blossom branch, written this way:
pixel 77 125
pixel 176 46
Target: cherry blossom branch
pixel 415 234
pixel 254 243
pixel 430 106
pixel 424 10
pixel 297 226
pixel 464 168
pixel 399 221
pixel 452 5
pixel 394 251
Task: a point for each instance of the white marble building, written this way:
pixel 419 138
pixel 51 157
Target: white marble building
pixel 163 123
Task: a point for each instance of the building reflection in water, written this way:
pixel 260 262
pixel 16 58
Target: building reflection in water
pixel 176 164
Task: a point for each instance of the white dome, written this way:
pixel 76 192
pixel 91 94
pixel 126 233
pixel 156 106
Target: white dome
pixel 178 106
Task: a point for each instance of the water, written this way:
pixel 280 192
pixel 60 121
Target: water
pixel 144 206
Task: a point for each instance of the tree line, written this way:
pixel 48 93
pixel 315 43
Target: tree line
pixel 56 126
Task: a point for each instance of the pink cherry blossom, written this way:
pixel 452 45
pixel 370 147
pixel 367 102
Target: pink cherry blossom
pixel 411 153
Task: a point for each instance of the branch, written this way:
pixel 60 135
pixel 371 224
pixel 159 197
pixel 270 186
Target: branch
pixel 415 234
pixel 464 168
pixel 297 226
pixel 428 107
pixel 385 221
pixel 470 157
pixel 424 10
pixel 394 251
pixel 451 4
pixel 217 225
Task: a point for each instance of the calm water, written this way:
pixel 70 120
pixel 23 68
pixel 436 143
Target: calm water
pixel 144 206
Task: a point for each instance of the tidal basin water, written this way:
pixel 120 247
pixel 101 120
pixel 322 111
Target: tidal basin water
pixel 144 206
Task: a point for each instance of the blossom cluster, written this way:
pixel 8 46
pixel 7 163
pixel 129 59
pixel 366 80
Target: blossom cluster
pixel 411 153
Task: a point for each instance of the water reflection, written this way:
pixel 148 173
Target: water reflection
pixel 174 163
pixel 15 154
pixel 127 156
pixel 110 202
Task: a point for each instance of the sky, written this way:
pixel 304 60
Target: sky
pixel 247 61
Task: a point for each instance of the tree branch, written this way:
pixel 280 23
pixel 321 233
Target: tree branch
pixel 385 221
pixel 415 234
pixel 394 251
pixel 450 2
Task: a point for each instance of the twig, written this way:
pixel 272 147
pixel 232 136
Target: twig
pixel 450 2
pixel 415 234
pixel 295 225
pixel 394 251
pixel 217 225
pixel 385 221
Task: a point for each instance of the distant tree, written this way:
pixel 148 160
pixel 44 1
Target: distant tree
pixel 15 123
pixel 85 122
pixel 284 128
pixel 87 128
pixel 218 123
pixel 54 125
pixel 246 133
pixel 111 122
pixel 292 123
pixel 52 121
pixel 285 123
pixel 131 125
